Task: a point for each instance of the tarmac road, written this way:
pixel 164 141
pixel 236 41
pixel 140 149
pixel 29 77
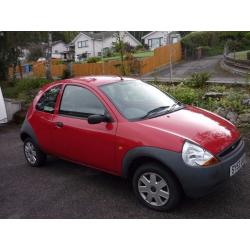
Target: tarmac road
pixel 185 69
pixel 64 190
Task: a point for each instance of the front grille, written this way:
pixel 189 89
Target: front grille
pixel 230 149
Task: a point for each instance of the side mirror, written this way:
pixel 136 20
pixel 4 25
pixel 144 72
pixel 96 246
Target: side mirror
pixel 95 119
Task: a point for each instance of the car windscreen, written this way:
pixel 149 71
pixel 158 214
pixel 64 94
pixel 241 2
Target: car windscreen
pixel 135 99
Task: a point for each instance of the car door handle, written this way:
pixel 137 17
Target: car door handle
pixel 59 124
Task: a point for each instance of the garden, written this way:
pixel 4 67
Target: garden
pixel 230 101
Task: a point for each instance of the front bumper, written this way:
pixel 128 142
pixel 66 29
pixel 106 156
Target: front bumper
pixel 198 182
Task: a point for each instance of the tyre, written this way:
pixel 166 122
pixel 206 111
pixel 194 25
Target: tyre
pixel 156 187
pixel 34 156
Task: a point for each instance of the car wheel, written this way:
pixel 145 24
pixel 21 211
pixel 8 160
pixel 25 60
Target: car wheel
pixel 156 187
pixel 34 156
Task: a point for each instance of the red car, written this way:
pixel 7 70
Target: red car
pixel 131 129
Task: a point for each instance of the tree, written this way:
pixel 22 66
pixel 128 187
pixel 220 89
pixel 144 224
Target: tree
pixel 49 53
pixel 119 47
pixel 3 56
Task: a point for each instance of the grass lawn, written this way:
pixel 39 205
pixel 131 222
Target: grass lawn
pixel 136 55
pixel 241 55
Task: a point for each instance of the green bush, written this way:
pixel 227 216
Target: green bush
pixel 198 80
pixel 10 92
pixel 93 59
pixel 192 95
pixel 182 93
pixel 66 74
pixel 29 84
pixel 214 41
pixel 247 35
pixel 23 89
pixel 248 55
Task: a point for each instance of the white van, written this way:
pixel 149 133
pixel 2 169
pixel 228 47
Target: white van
pixel 3 114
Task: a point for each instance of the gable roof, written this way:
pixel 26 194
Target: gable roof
pixel 168 32
pixel 56 42
pixel 149 34
pixel 102 35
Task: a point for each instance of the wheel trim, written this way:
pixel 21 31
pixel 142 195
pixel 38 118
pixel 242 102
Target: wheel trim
pixel 153 189
pixel 30 152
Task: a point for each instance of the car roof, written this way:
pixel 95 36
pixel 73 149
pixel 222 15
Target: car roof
pixel 98 80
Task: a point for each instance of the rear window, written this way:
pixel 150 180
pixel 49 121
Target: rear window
pixel 47 102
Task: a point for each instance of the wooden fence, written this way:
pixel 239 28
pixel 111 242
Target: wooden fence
pixel 160 58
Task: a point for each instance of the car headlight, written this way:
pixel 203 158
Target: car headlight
pixel 196 156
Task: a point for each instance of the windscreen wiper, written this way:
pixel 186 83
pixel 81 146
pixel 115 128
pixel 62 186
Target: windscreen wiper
pixel 174 105
pixel 155 111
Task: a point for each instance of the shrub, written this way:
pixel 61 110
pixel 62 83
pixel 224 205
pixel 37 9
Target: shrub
pixel 30 83
pixel 215 40
pixel 248 55
pixel 93 59
pixel 198 80
pixel 129 48
pixel 19 116
pixel 182 93
pixel 190 95
pixel 139 47
pixel 66 74
pixel 146 46
pixel 247 35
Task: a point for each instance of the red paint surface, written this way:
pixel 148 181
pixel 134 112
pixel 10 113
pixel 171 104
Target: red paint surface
pixel 104 145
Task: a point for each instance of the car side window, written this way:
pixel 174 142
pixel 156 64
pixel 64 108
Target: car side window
pixel 47 102
pixel 80 102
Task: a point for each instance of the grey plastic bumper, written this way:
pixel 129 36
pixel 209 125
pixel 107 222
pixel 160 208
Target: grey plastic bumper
pixel 196 182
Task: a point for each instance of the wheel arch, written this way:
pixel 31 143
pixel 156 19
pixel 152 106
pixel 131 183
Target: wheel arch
pixel 138 156
pixel 27 131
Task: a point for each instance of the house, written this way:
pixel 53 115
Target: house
pixel 157 39
pixel 89 44
pixel 59 50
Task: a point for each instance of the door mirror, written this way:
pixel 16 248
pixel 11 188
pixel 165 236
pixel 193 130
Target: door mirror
pixel 94 119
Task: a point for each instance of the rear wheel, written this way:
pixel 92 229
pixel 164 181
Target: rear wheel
pixel 156 187
pixel 34 156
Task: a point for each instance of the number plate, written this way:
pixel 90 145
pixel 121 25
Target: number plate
pixel 237 166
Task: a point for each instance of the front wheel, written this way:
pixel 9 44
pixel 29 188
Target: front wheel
pixel 34 156
pixel 156 187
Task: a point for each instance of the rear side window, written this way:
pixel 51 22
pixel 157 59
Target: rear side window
pixel 47 101
pixel 80 102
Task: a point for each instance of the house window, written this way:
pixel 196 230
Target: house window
pixel 82 44
pixel 161 41
pixel 150 43
pixel 154 42
pixel 56 52
pixel 99 53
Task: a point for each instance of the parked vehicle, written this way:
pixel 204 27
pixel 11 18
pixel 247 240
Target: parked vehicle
pixel 3 114
pixel 131 129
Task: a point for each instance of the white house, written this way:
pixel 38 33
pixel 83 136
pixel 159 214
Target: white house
pixel 88 44
pixel 157 39
pixel 59 50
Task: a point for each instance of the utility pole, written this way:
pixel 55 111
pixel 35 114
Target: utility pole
pixel 49 54
pixel 170 64
pixel 102 55
pixel 170 58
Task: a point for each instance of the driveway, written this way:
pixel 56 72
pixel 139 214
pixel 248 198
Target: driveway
pixel 185 69
pixel 64 190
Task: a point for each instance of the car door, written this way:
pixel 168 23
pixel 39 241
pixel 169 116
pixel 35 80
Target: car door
pixel 76 139
pixel 42 117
